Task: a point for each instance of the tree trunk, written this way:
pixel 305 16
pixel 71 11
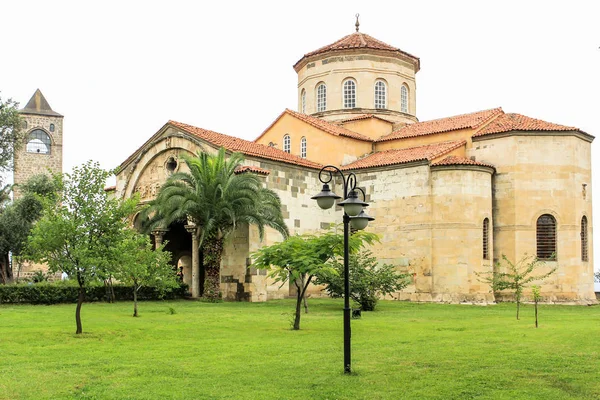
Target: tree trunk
pixel 5 270
pixel 78 309
pixel 135 308
pixel 536 315
pixel 213 251
pixel 299 296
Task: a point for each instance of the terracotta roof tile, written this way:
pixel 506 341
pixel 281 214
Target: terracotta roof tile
pixel 365 116
pixel 518 122
pixel 472 120
pixel 402 156
pixel 321 124
pixel 249 168
pixel 244 146
pixel 358 40
pixel 110 188
pixel 454 160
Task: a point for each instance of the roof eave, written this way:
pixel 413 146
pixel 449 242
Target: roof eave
pixel 516 132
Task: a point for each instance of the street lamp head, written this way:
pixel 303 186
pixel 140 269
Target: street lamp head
pixel 361 221
pixel 326 198
pixel 352 205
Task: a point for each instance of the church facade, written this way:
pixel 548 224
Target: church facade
pixel 450 196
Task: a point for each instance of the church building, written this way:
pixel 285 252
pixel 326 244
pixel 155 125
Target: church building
pixel 450 196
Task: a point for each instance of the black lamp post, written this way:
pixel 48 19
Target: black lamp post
pixel 355 216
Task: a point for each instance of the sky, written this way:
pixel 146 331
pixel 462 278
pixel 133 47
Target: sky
pixel 119 70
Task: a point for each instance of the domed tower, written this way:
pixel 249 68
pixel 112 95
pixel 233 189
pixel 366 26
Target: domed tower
pixel 43 141
pixel 358 75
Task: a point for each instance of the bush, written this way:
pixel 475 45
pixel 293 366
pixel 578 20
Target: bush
pixel 67 292
pixel 368 279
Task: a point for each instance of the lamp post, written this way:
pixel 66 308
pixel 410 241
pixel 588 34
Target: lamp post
pixel 355 216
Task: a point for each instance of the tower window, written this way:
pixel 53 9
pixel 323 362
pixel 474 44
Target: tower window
pixel 51 127
pixel 486 239
pixel 24 125
pixel 303 147
pixel 321 97
pixel 404 99
pixel 303 102
pixel 584 239
pixel 38 142
pixel 287 144
pixel 380 95
pixel 546 237
pixel 349 94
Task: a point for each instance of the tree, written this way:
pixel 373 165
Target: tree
pixel 216 199
pixel 368 279
pixel 535 290
pixel 515 277
pixel 141 266
pixel 17 218
pixel 300 258
pixel 79 228
pixel 11 135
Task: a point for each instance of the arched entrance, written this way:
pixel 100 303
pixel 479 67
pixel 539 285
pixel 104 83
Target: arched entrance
pixel 179 244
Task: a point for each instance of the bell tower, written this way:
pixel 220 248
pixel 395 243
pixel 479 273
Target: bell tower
pixel 42 150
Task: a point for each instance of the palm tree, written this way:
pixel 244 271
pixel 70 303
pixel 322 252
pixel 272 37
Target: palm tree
pixel 216 200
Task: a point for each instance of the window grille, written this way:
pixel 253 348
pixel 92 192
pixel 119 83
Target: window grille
pixel 404 99
pixel 486 238
pixel 321 97
pixel 349 94
pixel 303 101
pixel 287 144
pixel 303 147
pixel 546 237
pixel 584 239
pixel 380 95
pixel 38 142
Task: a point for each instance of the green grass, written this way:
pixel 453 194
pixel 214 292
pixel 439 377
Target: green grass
pixel 247 351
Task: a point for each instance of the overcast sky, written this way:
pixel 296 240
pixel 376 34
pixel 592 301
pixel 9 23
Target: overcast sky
pixel 119 70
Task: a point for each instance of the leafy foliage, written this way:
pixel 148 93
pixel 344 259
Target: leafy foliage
pixel 11 134
pixel 515 277
pixel 300 258
pixel 79 229
pixel 368 279
pixel 216 199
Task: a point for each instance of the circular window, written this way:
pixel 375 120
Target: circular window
pixel 171 165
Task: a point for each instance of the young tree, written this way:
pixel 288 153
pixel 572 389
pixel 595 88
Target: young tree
pixel 535 290
pixel 216 200
pixel 368 279
pixel 515 277
pixel 141 266
pixel 11 134
pixel 300 258
pixel 79 228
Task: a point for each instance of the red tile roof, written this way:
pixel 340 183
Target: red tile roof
pixel 463 121
pixel 321 124
pixel 244 146
pixel 402 156
pixel 110 188
pixel 518 122
pixel 365 116
pixel 249 168
pixel 358 40
pixel 454 160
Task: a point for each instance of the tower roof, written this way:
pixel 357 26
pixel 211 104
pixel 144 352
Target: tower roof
pixel 38 105
pixel 359 40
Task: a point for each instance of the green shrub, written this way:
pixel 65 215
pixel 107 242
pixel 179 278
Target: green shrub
pixel 67 292
pixel 368 279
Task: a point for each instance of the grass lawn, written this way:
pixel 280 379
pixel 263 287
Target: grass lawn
pixel 247 351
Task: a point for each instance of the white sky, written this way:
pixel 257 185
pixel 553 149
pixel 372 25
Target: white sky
pixel 119 70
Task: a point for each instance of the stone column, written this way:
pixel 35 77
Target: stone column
pixel 159 234
pixel 193 230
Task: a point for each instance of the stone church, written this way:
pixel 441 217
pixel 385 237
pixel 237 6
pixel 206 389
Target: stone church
pixel 450 196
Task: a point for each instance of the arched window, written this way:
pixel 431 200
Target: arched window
pixel 287 143
pixel 546 237
pixel 303 147
pixel 380 95
pixel 486 239
pixel 404 99
pixel 303 101
pixel 349 94
pixel 321 97
pixel 51 127
pixel 584 239
pixel 38 142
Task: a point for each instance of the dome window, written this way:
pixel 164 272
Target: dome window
pixel 321 97
pixel 349 94
pixel 380 95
